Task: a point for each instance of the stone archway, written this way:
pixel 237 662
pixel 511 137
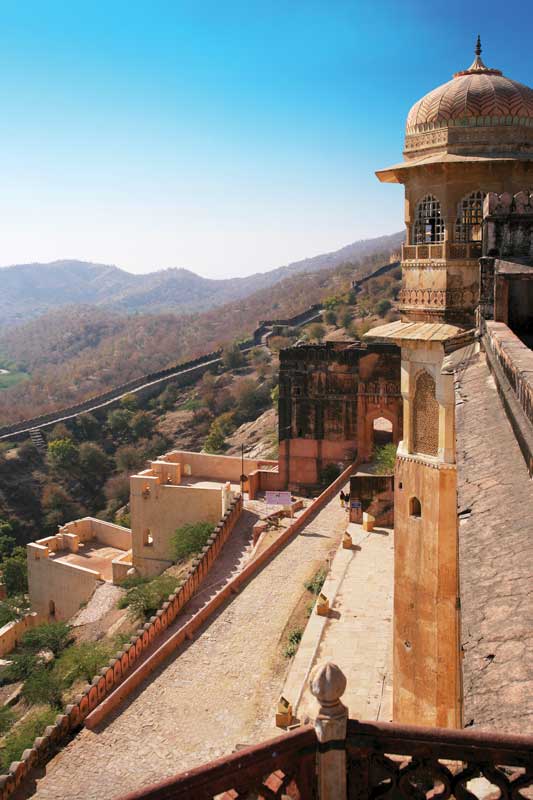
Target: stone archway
pixel 381 419
pixel 382 432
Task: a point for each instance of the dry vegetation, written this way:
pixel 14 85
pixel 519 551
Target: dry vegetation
pixel 79 352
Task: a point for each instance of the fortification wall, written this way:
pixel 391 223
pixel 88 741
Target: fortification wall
pixel 511 364
pixel 12 632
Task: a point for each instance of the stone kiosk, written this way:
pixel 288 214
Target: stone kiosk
pixel 469 137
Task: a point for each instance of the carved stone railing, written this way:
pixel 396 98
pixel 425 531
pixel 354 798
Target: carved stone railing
pixel 346 759
pixel 469 251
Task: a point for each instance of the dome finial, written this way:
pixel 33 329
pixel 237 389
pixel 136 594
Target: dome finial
pixel 477 65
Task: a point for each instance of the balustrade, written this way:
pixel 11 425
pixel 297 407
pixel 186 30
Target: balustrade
pixel 361 761
pixel 445 250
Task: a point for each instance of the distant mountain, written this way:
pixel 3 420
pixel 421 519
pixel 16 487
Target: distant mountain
pixel 29 290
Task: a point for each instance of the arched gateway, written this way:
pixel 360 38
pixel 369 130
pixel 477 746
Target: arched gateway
pixel 330 397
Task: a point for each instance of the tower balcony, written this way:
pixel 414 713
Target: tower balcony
pixel 443 251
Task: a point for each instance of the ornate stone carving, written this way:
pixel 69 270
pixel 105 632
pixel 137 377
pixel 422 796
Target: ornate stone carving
pixel 425 416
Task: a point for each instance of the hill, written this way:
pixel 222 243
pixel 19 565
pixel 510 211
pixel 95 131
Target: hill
pixel 30 290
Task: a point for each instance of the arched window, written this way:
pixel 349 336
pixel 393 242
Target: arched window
pixel 415 507
pixel 425 416
pixel 468 227
pixel 429 224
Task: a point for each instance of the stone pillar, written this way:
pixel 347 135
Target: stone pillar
pixel 327 684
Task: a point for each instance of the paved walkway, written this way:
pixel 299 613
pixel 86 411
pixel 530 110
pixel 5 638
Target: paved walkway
pixel 495 496
pixel 358 633
pixel 219 691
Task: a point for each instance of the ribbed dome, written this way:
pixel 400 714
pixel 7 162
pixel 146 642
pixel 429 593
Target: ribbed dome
pixel 478 96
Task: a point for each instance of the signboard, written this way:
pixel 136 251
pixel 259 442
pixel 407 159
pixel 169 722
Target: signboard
pixel 278 498
pixel 355 504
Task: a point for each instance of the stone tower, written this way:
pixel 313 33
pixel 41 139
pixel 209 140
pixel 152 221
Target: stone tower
pixel 471 136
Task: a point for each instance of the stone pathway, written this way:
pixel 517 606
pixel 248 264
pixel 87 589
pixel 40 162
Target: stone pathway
pixel 495 496
pixel 217 692
pixel 358 634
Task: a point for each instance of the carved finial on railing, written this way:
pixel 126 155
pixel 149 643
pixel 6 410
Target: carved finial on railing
pixel 328 684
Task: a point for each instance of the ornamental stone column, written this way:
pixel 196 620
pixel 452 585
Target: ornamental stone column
pixel 328 684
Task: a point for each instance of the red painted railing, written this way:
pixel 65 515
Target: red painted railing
pixel 400 761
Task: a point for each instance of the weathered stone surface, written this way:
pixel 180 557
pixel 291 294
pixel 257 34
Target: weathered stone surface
pixel 495 498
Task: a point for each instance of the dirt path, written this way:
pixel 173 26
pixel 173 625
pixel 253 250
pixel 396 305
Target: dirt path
pixel 217 692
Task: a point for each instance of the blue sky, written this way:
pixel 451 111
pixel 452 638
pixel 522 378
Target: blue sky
pixel 226 137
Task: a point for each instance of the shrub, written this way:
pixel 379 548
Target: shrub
pixel 330 317
pixel 329 473
pixel 316 332
pixel 190 538
pixel 384 459
pixel 129 458
pixel 22 736
pixel 21 667
pixel 13 608
pixel 215 441
pixel 54 636
pixel 383 307
pixel 82 661
pixel 317 581
pixel 295 637
pixel 118 488
pixel 43 686
pixel 62 454
pixel 7 718
pixel 146 598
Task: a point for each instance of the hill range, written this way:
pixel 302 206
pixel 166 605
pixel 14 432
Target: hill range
pixel 29 290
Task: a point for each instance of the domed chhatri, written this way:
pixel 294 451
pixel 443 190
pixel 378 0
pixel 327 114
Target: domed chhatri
pixel 477 97
pixel 472 136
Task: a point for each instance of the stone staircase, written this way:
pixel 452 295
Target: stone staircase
pixel 37 439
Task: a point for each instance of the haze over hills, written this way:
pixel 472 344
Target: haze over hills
pixel 29 290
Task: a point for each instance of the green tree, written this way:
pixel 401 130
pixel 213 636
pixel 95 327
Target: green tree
pixel 330 317
pixel 129 458
pixel 383 307
pixel 232 357
pixel 130 402
pixel 93 463
pixel 345 318
pixel 62 454
pixel 88 427
pixel 142 425
pixel 15 572
pixel 119 422
pixel 215 440
pixel 58 505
